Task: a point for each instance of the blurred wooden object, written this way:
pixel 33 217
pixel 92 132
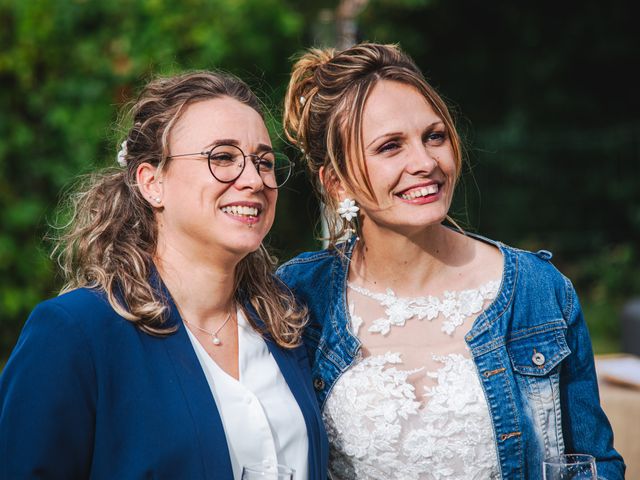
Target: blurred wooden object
pixel 621 403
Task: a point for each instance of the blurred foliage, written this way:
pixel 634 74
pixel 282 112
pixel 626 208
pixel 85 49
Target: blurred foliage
pixel 611 279
pixel 543 91
pixel 548 107
pixel 67 67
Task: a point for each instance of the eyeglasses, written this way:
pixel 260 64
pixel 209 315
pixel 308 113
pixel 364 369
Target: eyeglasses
pixel 227 162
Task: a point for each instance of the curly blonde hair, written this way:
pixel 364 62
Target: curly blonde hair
pixel 323 112
pixel 111 237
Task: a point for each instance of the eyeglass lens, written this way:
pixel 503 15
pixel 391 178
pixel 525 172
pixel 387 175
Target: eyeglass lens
pixel 227 162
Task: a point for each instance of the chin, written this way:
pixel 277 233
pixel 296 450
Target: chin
pixel 418 225
pixel 432 218
pixel 245 246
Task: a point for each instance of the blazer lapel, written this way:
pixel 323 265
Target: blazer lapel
pixel 197 396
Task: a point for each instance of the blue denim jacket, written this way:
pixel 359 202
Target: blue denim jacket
pixel 531 348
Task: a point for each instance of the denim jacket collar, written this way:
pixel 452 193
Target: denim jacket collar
pixel 489 316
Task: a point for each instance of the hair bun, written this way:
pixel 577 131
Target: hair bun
pixel 314 58
pixel 302 88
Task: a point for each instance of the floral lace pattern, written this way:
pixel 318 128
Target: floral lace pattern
pixel 378 430
pixel 380 426
pixel 356 320
pixel 455 307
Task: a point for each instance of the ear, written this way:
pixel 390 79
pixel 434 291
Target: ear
pixel 149 183
pixel 332 184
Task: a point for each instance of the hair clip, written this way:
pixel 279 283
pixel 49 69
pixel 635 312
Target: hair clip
pixel 122 154
pixel 302 100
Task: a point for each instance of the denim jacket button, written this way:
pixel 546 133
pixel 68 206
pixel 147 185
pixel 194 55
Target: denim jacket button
pixel 318 383
pixel 538 359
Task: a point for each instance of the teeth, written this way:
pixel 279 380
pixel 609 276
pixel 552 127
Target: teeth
pixel 421 192
pixel 240 210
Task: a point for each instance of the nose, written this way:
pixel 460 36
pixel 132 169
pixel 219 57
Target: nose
pixel 421 160
pixel 250 177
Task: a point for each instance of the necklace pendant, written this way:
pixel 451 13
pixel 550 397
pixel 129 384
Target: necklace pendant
pixel 216 341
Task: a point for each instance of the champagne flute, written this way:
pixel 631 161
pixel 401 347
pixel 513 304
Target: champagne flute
pixel 267 471
pixel 570 467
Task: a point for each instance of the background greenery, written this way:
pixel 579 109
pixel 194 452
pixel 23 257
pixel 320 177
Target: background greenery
pixel 544 92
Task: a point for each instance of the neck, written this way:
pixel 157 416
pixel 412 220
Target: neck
pixel 408 265
pixel 202 288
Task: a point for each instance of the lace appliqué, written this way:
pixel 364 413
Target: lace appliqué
pixel 356 320
pixel 377 429
pixel 455 307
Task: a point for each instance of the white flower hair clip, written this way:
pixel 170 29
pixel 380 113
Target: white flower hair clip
pixel 122 154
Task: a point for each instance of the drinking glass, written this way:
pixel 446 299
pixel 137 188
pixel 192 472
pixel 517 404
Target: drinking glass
pixel 570 467
pixel 267 471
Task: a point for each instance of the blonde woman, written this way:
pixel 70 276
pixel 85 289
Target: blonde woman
pixel 436 354
pixel 173 351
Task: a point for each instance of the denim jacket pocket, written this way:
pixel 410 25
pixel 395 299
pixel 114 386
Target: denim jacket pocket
pixel 539 353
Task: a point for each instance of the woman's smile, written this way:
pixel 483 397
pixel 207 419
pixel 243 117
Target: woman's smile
pixel 244 212
pixel 421 194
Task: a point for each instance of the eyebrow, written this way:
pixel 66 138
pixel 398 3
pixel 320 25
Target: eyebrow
pixel 262 147
pixel 399 134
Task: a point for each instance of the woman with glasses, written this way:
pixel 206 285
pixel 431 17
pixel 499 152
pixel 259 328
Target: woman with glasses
pixel 436 354
pixel 173 351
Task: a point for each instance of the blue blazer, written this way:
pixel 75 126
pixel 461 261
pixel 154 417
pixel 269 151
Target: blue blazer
pixel 87 395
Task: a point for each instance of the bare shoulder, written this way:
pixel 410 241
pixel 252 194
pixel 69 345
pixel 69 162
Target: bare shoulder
pixel 488 257
pixel 479 262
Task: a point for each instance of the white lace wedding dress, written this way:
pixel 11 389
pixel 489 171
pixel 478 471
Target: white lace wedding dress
pixel 412 407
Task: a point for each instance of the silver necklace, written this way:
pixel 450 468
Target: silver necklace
pixel 214 335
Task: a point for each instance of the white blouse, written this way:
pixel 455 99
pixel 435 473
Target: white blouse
pixel 262 420
pixel 412 406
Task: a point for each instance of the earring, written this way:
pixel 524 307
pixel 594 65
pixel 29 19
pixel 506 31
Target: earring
pixel 157 199
pixel 348 210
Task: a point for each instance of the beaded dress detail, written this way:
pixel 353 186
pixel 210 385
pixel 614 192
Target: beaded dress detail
pixel 412 406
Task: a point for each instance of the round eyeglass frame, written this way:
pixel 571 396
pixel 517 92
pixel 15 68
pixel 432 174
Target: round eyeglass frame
pixel 255 159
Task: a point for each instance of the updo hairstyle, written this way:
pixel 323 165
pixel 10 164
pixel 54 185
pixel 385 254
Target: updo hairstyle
pixel 323 113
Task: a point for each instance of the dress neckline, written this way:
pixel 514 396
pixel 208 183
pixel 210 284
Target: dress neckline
pixel 454 306
pixel 389 292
